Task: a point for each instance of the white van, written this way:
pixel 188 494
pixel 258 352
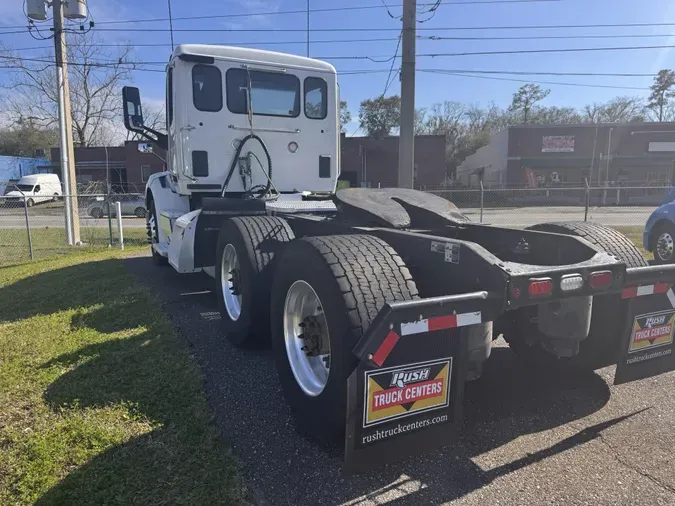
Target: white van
pixel 36 188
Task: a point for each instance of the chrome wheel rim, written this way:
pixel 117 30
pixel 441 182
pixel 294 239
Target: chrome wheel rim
pixel 229 280
pixel 307 338
pixel 664 246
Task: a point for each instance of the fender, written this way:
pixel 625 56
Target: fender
pixel 158 190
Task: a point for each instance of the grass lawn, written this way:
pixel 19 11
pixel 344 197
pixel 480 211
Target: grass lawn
pixel 100 402
pixel 51 242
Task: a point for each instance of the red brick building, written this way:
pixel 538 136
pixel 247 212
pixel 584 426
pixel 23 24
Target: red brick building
pixel 369 161
pixel 126 166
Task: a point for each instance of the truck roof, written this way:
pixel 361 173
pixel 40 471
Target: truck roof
pixel 253 55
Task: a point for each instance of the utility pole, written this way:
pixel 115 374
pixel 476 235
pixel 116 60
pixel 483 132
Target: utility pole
pixel 406 140
pixel 66 129
pixel 307 28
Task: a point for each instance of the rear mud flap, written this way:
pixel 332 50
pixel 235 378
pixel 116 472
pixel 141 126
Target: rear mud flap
pixel 648 347
pixel 405 396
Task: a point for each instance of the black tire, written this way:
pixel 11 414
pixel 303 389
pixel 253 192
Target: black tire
pixel 153 236
pixel 140 212
pixel 96 212
pixel 601 347
pixel 353 276
pixel 30 203
pixel 663 231
pixel 256 240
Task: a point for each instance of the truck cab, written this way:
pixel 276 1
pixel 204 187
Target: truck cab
pixel 217 96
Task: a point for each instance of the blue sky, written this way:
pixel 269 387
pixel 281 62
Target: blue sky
pixel 431 88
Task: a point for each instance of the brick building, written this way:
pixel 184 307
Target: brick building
pixel 127 166
pixel 366 160
pixel 547 155
pixel 370 161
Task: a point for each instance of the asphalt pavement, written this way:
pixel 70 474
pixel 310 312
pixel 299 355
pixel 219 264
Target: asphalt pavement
pixel 528 438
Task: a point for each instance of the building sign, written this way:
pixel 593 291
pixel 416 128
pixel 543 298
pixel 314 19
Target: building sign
pixel 557 144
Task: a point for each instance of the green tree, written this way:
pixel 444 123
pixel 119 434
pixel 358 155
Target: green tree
pixel 25 138
pixel 345 115
pixel 661 92
pixel 378 117
pixel 525 99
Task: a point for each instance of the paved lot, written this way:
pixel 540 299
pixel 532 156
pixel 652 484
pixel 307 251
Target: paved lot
pixel 511 217
pixel 528 439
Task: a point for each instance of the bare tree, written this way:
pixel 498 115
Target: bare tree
pixel 617 110
pixel 96 76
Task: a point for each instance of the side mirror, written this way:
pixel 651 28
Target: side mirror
pixel 133 111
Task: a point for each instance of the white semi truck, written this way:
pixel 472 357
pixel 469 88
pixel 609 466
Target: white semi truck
pixel 378 303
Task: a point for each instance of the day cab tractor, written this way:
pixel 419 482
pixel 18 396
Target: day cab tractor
pixel 379 304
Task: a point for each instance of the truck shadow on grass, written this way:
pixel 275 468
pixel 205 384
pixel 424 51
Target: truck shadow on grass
pixel 134 373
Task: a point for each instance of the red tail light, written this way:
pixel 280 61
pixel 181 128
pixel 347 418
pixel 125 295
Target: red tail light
pixel 540 287
pixel 601 279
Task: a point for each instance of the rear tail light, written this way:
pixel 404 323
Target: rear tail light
pixel 540 287
pixel 601 279
pixel 571 282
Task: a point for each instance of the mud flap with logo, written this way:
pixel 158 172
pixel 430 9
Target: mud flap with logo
pixel 405 396
pixel 648 347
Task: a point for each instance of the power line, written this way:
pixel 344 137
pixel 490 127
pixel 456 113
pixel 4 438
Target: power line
pixel 515 51
pixel 372 29
pixel 387 39
pixel 583 85
pixel 393 61
pixel 304 11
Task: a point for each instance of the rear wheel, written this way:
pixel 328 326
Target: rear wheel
pixel 30 202
pixel 663 241
pixel 245 253
pixel 326 292
pixel 96 212
pixel 140 212
pixel 601 346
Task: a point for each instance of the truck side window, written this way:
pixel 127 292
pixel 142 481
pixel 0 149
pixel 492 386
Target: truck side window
pixel 169 98
pixel 272 93
pixel 207 88
pixel 316 101
pixel 36 189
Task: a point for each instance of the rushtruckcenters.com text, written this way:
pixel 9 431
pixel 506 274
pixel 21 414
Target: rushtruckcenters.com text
pixel 402 428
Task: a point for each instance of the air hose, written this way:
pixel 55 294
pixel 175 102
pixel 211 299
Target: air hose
pixel 235 160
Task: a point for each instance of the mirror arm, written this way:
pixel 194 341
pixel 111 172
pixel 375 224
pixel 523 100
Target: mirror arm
pixel 162 140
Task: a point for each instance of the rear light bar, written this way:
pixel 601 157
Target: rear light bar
pixel 601 279
pixel 540 287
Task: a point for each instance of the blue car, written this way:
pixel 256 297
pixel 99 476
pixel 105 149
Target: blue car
pixel 659 234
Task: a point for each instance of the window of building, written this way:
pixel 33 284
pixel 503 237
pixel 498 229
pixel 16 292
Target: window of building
pixel 316 101
pixel 272 93
pixel 207 88
pixel 146 171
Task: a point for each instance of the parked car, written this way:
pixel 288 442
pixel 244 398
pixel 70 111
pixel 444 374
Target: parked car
pixel 131 205
pixel 659 234
pixel 35 188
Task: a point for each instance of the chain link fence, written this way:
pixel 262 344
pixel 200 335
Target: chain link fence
pixel 33 228
pixel 620 207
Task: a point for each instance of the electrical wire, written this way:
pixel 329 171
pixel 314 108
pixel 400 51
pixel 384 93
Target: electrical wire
pixel 393 61
pixel 304 11
pixel 583 85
